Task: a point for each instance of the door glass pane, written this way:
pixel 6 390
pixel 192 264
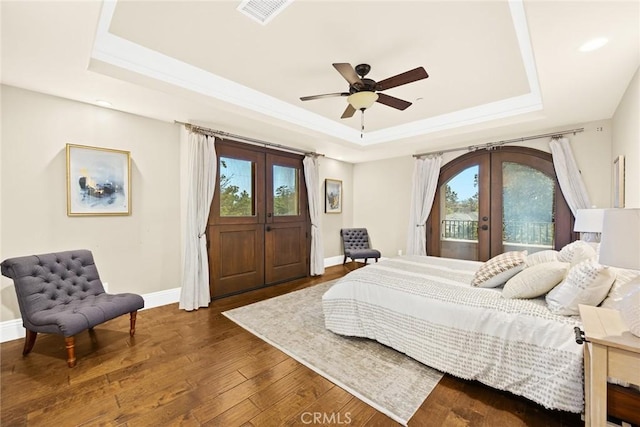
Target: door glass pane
pixel 527 208
pixel 285 191
pixel 236 187
pixel 459 215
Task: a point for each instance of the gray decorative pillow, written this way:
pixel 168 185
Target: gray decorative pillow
pixel 499 269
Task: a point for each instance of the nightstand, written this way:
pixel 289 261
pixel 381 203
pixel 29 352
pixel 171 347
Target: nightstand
pixel 611 351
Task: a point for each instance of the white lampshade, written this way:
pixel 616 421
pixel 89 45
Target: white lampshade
pixel 589 220
pixel 620 243
pixel 362 100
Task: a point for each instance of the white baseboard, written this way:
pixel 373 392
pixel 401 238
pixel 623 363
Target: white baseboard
pixel 157 299
pixel 338 260
pixel 12 329
pixel 335 260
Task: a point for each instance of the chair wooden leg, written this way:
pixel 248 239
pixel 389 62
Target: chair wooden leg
pixel 70 343
pixel 132 322
pixel 366 260
pixel 29 341
pixel 93 337
pixel 344 261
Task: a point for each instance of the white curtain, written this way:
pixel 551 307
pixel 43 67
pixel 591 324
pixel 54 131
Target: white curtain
pixel 569 178
pixel 312 181
pixel 425 182
pixel 201 178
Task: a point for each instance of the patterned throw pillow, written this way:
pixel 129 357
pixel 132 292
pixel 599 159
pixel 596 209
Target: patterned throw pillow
pixel 499 269
pixel 587 283
pixel 576 252
pixel 536 280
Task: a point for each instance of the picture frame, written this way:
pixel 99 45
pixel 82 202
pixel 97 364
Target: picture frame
pixel 618 182
pixel 98 181
pixel 332 196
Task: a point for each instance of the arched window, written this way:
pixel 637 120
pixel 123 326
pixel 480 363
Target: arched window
pixel 489 202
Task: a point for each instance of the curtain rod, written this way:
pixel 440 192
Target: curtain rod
pixel 491 145
pixel 213 132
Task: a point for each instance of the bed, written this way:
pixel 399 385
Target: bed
pixel 426 308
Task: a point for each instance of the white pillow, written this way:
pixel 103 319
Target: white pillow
pixel 623 276
pixel 536 280
pixel 630 306
pixel 576 252
pixel 499 269
pixel 548 255
pixel 586 283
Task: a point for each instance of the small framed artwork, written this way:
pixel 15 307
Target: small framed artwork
pixel 618 182
pixel 332 196
pixel 98 181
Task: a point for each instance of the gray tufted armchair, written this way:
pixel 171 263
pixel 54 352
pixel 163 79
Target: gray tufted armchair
pixel 61 293
pixel 355 242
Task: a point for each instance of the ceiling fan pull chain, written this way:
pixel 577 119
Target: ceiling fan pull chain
pixel 362 123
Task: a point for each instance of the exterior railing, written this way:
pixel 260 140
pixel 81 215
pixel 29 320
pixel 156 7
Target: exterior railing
pixel 531 233
pixel 459 229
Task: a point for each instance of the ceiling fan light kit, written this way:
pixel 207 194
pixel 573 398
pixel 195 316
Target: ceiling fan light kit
pixel 362 92
pixel 362 100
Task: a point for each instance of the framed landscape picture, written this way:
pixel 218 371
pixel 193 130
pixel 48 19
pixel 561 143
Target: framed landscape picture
pixel 332 196
pixel 98 181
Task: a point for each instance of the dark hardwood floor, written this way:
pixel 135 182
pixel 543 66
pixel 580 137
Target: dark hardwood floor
pixel 199 368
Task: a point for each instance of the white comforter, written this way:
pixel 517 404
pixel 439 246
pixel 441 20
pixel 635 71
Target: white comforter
pixel 425 308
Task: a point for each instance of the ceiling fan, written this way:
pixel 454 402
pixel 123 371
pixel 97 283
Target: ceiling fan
pixel 363 92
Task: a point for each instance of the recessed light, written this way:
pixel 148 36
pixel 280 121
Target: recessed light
pixel 103 103
pixel 593 44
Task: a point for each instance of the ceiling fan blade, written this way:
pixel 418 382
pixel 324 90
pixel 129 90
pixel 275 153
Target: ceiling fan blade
pixel 392 101
pixel 402 79
pixel 349 112
pixel 326 95
pixel 349 73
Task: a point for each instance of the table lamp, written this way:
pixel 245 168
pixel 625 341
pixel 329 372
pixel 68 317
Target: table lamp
pixel 620 247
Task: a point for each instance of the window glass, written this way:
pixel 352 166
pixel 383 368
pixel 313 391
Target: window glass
pixel 236 187
pixel 285 191
pixel 527 208
pixel 460 206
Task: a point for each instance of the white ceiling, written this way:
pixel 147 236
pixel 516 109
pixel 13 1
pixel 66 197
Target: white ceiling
pixel 495 67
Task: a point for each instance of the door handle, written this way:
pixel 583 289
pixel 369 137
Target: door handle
pixel 269 215
pixel 268 228
pixel 484 227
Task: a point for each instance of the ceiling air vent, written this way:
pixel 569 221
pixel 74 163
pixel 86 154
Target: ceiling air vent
pixel 263 11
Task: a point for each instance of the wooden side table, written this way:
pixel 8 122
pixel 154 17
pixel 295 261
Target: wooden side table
pixel 611 351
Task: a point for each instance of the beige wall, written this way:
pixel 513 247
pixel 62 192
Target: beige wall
pixel 142 252
pixel 382 188
pixel 382 194
pixel 138 253
pixel 331 223
pixel 626 140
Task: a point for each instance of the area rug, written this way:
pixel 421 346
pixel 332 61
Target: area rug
pixel 386 379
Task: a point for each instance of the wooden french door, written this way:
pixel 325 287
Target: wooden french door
pixel 490 202
pixel 259 223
